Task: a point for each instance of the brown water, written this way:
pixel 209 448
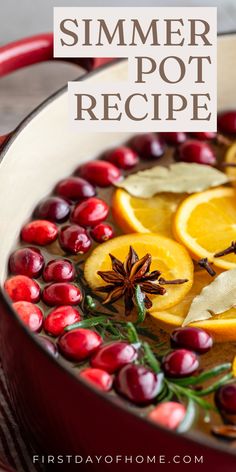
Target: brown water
pixel 220 353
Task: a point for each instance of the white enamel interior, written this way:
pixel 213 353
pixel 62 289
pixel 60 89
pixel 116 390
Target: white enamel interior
pixel 46 150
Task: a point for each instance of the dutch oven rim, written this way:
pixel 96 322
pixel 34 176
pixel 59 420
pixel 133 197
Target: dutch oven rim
pixel 203 439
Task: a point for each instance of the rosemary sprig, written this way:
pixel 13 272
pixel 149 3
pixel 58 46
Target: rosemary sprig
pixel 166 397
pixel 113 331
pixel 151 358
pixel 115 326
pixel 184 393
pixel 90 306
pixel 189 417
pixel 207 375
pixel 139 297
pixel 148 334
pixel 132 333
pixel 182 389
pixel 90 303
pixel 87 323
pixel 215 386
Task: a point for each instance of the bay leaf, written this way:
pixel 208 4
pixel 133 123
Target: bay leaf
pixel 215 298
pixel 177 178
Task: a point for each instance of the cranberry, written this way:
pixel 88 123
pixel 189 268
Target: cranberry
pixel 26 261
pixel 195 339
pixel 123 157
pixel 30 314
pixel 113 356
pixel 204 135
pixel 53 209
pixel 98 377
pixel 48 345
pixel 101 173
pixel 180 363
pixel 91 212
pixel 139 384
pixel 57 320
pixel 227 122
pixel 22 288
pixel 74 239
pixel 61 293
pixel 102 232
pixel 79 344
pixel 40 232
pixel 174 138
pixel 148 145
pixel 168 414
pixel 75 188
pixel 197 152
pixel 59 270
pixel 225 398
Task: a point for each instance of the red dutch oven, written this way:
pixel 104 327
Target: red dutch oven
pixel 60 414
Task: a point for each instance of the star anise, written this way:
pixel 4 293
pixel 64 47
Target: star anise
pixel 124 277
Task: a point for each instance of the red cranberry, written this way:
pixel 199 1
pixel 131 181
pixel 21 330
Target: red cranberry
pixel 61 293
pixel 139 384
pixel 57 320
pixel 123 157
pixel 26 261
pixel 174 138
pixel 195 339
pixel 48 345
pixel 59 270
pixel 22 288
pixel 225 398
pixel 180 363
pixel 111 357
pixel 168 414
pixel 204 135
pixel 74 239
pixel 53 209
pixel 30 314
pixel 91 212
pixel 227 122
pixel 197 152
pixel 148 145
pixel 79 344
pixel 101 173
pixel 39 232
pixel 98 377
pixel 102 232
pixel 75 188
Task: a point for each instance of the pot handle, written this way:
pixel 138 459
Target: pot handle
pixel 33 50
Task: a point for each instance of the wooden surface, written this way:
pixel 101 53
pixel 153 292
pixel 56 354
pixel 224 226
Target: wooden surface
pixel 22 91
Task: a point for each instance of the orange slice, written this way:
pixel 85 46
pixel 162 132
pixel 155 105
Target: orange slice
pixel 145 215
pixel 206 223
pixel 168 256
